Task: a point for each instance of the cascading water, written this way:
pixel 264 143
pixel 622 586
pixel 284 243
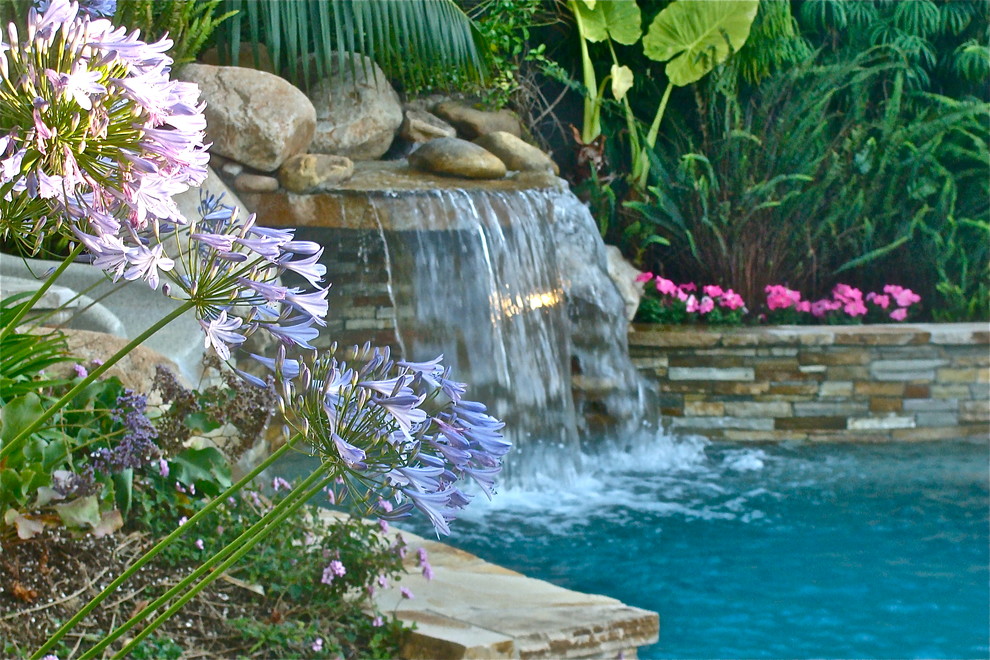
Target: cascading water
pixel 511 285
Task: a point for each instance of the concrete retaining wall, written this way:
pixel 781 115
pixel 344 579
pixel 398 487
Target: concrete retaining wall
pixel 829 383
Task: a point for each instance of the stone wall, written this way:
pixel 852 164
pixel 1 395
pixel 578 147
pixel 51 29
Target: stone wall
pixel 830 383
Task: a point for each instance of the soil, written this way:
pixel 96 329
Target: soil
pixel 45 580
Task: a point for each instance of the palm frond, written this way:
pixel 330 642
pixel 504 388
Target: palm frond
pixel 419 42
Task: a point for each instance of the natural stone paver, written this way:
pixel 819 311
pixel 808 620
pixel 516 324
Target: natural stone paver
pixel 474 609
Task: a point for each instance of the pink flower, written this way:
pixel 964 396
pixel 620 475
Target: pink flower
pixel 644 277
pixel 317 645
pixel 666 287
pixel 712 290
pixel 883 302
pixel 780 297
pixel 692 305
pixel 199 543
pixel 820 308
pixel 690 286
pixel 903 297
pixel 854 308
pixel 406 593
pixel 163 468
pixel 706 305
pixel 731 299
pixel 377 622
pixel 899 314
pixel 803 306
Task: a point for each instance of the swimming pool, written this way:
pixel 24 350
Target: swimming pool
pixel 796 551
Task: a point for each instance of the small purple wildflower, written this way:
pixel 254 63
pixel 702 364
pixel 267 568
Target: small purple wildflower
pixel 80 370
pixel 377 622
pixel 406 593
pixel 334 569
pixel 163 468
pixel 199 543
pixel 278 483
pixel 317 646
pixel 182 521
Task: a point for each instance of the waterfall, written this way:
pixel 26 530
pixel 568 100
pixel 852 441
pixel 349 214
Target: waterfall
pixel 511 286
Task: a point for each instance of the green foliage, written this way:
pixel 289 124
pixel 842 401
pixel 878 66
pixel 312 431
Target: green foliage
pixel 189 23
pixel 697 36
pixel 420 42
pixel 786 186
pixel 505 26
pixel 25 356
pixel 287 569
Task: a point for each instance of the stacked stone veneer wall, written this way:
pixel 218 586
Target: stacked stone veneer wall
pixel 835 383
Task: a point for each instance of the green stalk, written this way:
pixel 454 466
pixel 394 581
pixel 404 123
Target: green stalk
pixel 230 561
pixel 148 556
pixel 49 281
pixel 641 165
pixel 93 375
pixel 591 127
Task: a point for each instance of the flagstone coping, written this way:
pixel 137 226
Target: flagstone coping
pixel 475 609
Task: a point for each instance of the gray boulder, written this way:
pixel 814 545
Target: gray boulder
pixel 517 154
pixel 357 111
pixel 456 157
pixel 311 172
pixel 472 123
pixel 253 117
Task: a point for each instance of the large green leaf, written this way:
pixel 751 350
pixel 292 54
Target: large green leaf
pixel 696 35
pixel 619 20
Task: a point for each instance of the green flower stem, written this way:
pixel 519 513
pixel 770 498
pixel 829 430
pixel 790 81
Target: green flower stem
pixel 93 375
pixel 49 281
pixel 148 556
pixel 251 537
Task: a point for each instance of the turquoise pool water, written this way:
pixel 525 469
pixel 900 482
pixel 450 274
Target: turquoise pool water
pixel 847 551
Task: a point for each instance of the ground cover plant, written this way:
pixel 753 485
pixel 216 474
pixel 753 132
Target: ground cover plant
pixel 97 141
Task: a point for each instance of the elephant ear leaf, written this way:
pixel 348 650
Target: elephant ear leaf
pixel 697 35
pixel 619 20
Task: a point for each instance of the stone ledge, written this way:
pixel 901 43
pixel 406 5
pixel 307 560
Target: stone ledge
pixel 474 609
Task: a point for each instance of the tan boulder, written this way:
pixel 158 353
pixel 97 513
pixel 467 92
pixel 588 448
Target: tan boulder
pixel 422 126
pixel 456 157
pixel 136 370
pixel 472 123
pixel 311 172
pixel 253 117
pixel 517 154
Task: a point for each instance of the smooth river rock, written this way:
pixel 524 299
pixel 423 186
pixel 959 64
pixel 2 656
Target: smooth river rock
pixel 423 126
pixel 472 123
pixel 517 154
pixel 456 157
pixel 252 117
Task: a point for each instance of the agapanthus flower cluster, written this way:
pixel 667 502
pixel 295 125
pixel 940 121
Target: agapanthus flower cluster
pixel 231 269
pixel 846 304
pixel 399 433
pixel 93 131
pixel 679 303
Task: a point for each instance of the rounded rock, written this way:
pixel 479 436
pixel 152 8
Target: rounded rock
pixel 456 157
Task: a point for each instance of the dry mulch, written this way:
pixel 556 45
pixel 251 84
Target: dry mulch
pixel 45 580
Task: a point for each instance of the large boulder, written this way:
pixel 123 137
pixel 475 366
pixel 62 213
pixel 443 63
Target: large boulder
pixel 472 123
pixel 253 117
pixel 456 157
pixel 357 111
pixel 516 153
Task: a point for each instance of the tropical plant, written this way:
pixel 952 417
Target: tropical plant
pixel 188 23
pixel 785 186
pixel 420 42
